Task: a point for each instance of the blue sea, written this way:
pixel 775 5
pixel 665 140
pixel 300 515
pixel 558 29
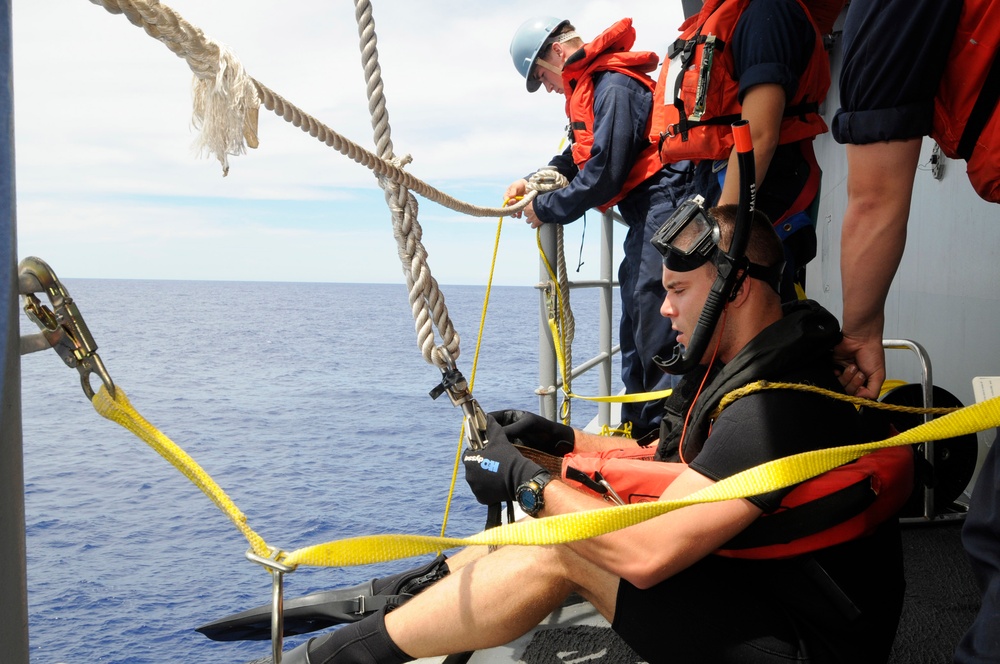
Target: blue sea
pixel 307 403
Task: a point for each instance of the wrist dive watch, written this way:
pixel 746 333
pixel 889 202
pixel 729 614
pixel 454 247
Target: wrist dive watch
pixel 530 494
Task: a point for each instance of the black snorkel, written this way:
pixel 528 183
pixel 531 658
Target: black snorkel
pixel 732 265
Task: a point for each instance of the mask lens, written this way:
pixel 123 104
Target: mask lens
pixel 688 238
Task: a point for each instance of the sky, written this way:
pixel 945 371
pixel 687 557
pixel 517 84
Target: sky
pixel 109 184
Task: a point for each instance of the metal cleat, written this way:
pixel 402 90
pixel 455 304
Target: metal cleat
pixel 278 570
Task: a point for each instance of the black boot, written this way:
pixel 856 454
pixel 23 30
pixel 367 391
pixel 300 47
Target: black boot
pixel 364 642
pixel 411 582
pixel 329 607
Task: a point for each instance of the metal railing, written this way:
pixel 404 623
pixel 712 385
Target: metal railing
pixel 549 378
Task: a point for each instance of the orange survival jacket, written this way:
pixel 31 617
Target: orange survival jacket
pixel 966 115
pixel 697 95
pixel 608 52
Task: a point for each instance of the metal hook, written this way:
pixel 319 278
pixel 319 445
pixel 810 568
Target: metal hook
pixel 457 388
pixel 63 327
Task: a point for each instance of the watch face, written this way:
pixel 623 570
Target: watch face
pixel 528 499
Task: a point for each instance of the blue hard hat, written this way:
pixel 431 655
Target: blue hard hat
pixel 528 41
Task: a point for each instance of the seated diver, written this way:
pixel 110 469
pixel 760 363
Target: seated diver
pixel 837 604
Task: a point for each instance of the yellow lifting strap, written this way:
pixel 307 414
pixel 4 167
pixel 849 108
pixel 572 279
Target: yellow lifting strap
pixel 556 529
pixel 582 525
pixel 119 409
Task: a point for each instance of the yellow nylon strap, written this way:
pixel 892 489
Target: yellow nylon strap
pixel 120 410
pixel 551 530
pixel 629 398
pixel 582 525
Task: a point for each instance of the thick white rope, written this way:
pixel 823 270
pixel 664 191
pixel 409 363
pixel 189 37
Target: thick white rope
pixel 216 69
pixel 226 101
pixel 426 300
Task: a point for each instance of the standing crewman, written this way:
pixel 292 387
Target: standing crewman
pixel 761 61
pixel 937 74
pixel 610 161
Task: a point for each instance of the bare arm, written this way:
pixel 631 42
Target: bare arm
pixel 763 107
pixel 654 550
pixel 879 186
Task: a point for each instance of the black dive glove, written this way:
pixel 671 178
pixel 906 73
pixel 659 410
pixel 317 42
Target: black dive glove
pixel 536 432
pixel 495 472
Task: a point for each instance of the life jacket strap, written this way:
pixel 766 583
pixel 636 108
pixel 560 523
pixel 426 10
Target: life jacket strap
pixel 983 109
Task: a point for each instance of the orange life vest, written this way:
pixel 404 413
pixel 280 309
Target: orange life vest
pixel 608 52
pixel 841 505
pixel 825 13
pixel 966 116
pixel 697 95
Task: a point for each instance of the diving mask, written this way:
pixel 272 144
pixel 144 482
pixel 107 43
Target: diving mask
pixel 689 238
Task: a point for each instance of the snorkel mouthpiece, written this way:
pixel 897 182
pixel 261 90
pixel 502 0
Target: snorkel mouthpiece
pixel 685 245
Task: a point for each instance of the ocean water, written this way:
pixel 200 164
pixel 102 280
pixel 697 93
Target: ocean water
pixel 307 403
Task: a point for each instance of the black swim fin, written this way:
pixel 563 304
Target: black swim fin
pixel 327 608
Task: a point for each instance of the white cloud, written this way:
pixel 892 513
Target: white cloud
pixel 104 138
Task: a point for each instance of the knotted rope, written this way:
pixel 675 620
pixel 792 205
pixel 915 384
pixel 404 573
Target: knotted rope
pixel 221 83
pixel 226 107
pixel 426 300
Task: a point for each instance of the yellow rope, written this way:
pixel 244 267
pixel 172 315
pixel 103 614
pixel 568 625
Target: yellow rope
pixel 472 377
pixel 741 392
pixel 552 530
pixel 625 431
pixel 556 324
pixel 554 329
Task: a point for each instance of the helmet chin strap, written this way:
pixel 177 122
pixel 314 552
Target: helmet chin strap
pixel 562 39
pixel 548 65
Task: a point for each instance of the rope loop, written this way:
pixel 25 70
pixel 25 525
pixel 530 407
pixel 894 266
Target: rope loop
pixel 859 402
pixel 546 179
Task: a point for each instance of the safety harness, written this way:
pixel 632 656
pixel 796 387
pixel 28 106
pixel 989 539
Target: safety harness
pixel 697 96
pixel 840 505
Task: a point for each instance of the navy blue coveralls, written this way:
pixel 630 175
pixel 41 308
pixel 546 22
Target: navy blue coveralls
pixel 622 107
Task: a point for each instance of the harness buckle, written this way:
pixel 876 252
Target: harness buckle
pixel 62 326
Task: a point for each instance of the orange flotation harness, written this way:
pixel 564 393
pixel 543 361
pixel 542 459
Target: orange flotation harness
pixel 608 52
pixel 697 96
pixel 966 112
pixel 841 505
